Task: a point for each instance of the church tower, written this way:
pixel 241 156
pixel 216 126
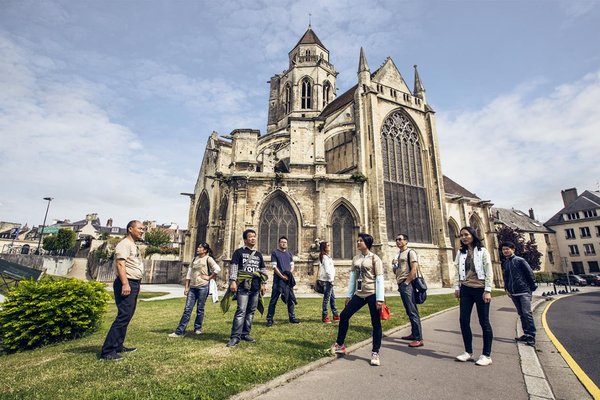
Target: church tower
pixel 306 87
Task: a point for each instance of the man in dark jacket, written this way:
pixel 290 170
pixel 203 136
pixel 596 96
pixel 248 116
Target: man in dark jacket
pixel 519 283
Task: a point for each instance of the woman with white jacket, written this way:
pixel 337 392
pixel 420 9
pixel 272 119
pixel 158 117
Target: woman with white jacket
pixel 473 285
pixel 327 275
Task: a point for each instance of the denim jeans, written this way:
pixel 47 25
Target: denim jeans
pixel 468 297
pixel 125 310
pixel 195 295
pixel 408 299
pixel 355 304
pixel 523 306
pixel 329 299
pixel 275 293
pixel 247 300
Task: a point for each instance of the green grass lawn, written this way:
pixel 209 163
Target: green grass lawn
pixel 198 367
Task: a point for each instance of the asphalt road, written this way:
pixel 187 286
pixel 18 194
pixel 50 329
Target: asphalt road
pixel 575 321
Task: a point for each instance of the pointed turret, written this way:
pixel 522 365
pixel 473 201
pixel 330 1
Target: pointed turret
pixel 419 90
pixel 362 63
pixel 364 73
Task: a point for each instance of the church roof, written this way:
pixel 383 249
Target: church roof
pixel 517 220
pixel 310 37
pixel 340 102
pixel 451 187
pixel 587 200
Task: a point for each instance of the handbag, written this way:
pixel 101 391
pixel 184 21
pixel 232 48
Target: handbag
pixel 319 286
pixel 384 312
pixel 419 286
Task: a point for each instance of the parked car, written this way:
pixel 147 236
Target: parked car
pixel 591 279
pixel 575 280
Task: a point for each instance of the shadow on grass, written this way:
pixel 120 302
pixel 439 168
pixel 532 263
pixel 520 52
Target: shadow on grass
pixel 84 350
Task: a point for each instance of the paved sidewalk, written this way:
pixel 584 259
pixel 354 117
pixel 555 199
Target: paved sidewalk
pixel 429 372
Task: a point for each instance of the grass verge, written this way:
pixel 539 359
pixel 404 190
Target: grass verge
pixel 196 366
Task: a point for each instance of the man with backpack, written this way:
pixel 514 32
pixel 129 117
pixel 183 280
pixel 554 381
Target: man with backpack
pixel 405 268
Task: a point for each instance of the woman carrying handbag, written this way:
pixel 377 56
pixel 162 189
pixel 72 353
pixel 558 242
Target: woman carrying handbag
pixel 327 276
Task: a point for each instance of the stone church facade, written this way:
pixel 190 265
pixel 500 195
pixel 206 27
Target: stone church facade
pixel 329 167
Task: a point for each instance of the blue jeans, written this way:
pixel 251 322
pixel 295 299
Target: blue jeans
pixel 468 297
pixel 523 306
pixel 195 295
pixel 125 309
pixel 355 304
pixel 408 299
pixel 247 300
pixel 329 299
pixel 275 293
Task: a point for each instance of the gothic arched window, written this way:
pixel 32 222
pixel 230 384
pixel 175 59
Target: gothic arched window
pixel 404 184
pixel 287 103
pixel 326 93
pixel 342 233
pixel 202 219
pixel 453 233
pixel 277 219
pixel 306 103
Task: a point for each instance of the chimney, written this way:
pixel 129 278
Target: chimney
pixel 531 214
pixel 569 196
pixel 109 222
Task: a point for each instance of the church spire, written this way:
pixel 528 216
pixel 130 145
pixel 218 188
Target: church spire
pixel 419 90
pixel 362 63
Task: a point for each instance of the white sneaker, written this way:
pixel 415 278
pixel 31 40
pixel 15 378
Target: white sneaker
pixel 198 332
pixel 464 357
pixel 175 335
pixel 484 360
pixel 375 359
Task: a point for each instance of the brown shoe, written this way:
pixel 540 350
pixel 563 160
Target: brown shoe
pixel 416 343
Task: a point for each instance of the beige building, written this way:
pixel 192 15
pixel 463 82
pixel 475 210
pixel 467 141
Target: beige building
pixel 534 231
pixel 329 167
pixel 577 228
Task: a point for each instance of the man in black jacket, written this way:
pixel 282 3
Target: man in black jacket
pixel 519 283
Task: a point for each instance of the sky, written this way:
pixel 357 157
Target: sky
pixel 106 106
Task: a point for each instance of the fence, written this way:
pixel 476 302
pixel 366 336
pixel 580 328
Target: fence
pixel 155 271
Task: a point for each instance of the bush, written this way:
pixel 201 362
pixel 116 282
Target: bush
pixel 51 310
pixel 543 277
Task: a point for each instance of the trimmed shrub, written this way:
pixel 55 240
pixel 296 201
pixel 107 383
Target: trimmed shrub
pixel 51 310
pixel 543 277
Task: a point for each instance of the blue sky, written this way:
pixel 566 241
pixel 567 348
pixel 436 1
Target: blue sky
pixel 107 105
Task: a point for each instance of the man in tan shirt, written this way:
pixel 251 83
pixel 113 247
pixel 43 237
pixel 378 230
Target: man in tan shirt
pixel 129 269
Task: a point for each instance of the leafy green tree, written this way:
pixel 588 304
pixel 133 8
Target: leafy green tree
pixel 49 243
pixel 528 250
pixel 65 240
pixel 157 237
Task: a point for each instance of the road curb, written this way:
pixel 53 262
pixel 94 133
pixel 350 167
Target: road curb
pixel 296 373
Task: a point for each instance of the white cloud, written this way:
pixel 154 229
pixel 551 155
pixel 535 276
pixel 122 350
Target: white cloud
pixel 519 152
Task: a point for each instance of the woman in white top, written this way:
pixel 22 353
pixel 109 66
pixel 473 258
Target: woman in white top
pixel 202 269
pixel 473 286
pixel 327 276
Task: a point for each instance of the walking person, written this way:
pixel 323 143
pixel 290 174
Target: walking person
pixel 474 286
pixel 327 275
pixel 247 279
pixel 405 268
pixel 366 287
pixel 283 266
pixel 197 284
pixel 519 283
pixel 129 268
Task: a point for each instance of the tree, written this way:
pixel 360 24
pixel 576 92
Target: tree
pixel 528 250
pixel 63 241
pixel 157 237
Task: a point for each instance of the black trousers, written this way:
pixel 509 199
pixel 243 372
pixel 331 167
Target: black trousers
pixel 355 304
pixel 126 307
pixel 468 298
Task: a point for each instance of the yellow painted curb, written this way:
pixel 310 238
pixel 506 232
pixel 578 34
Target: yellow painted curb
pixel 582 376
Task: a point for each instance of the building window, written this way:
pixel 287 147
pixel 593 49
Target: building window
pixel 287 103
pixel 590 214
pixel 532 238
pixel 342 230
pixel 551 257
pixel 306 103
pixel 573 216
pixel 573 250
pixel 570 233
pixel 114 230
pixel 326 93
pixel 404 182
pixel 577 267
pixel 278 219
pixel 202 219
pixel 597 230
pixel 585 232
pixel 547 239
pixel 588 249
pixel 593 266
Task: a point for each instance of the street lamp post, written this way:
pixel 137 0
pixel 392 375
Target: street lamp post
pixel 48 199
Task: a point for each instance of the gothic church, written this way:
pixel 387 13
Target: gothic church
pixel 329 167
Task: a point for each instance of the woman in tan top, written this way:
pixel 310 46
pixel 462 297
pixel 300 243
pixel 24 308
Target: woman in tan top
pixel 473 285
pixel 202 269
